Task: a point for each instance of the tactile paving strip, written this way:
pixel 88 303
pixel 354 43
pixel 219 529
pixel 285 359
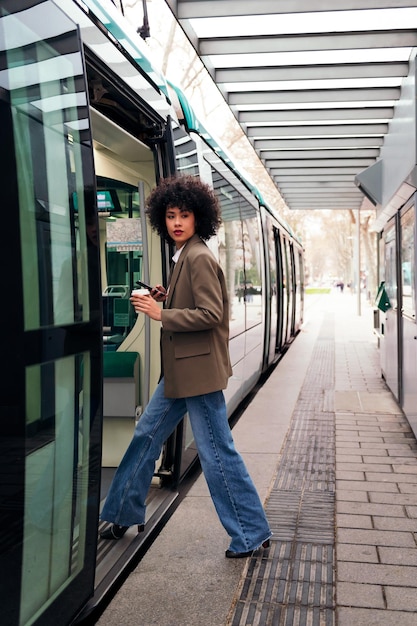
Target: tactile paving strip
pixel 292 583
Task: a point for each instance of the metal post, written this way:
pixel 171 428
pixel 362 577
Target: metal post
pixel 358 261
pixel 146 278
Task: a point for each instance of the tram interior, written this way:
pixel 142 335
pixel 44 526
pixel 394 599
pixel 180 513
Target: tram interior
pixel 122 162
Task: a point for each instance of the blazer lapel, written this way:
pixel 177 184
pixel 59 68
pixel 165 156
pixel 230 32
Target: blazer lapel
pixel 177 269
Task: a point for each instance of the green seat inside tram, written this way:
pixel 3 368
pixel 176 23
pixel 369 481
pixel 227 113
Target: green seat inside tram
pixel 120 364
pixel 121 397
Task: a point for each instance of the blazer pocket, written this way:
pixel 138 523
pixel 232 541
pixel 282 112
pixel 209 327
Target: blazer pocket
pixel 191 344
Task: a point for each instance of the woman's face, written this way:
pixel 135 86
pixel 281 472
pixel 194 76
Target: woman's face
pixel 180 225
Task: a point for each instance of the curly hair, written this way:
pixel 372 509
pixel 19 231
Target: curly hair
pixel 184 192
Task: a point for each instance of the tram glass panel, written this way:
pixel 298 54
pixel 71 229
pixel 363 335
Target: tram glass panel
pixel 407 264
pixel 301 286
pixel 391 266
pixel 50 134
pixel 390 362
pixel 253 274
pixel 286 282
pixel 408 318
pixel 56 483
pixel 231 254
pixel 122 265
pixel 273 279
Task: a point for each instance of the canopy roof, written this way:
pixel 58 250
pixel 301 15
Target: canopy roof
pixel 313 83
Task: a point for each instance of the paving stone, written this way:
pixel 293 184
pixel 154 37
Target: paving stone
pixel 410 468
pixel 368 454
pixel 378 574
pixel 349 495
pixel 407 488
pixel 369 508
pixel 381 402
pixel 378 419
pixel 400 599
pixel 353 446
pixel 363 467
pixel 353 521
pixel 354 427
pixel 381 460
pixel 391 498
pixel 349 458
pixel 397 556
pixel 393 478
pixel 341 475
pixel 411 511
pixel 366 485
pixel 367 431
pixel 404 451
pixel 388 445
pixel 352 438
pixel 405 428
pixel 373 617
pixel 357 594
pixel 361 553
pixel 376 537
pixel 395 523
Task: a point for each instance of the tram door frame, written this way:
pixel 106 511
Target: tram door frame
pixel 390 359
pixel 407 283
pixel 281 291
pixel 50 415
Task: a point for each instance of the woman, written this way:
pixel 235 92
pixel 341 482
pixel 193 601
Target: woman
pixel 195 370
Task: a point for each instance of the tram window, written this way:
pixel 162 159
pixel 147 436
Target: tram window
pixel 391 267
pixel 252 263
pixel 53 203
pixel 239 254
pixel 122 248
pixel 407 263
pixel 230 237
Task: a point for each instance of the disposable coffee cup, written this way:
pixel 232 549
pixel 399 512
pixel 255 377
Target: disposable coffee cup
pixel 141 292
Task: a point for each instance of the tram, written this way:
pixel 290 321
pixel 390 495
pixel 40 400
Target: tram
pixel 89 126
pixel 390 184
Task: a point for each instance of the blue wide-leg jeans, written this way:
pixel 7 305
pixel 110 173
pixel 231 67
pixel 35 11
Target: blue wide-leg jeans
pixel 233 493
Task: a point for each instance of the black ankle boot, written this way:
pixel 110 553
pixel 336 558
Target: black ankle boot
pixel 114 532
pixel 117 532
pixel 241 555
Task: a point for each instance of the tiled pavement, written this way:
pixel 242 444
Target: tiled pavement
pixel 376 491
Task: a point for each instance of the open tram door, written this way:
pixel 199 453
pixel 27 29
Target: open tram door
pixel 51 385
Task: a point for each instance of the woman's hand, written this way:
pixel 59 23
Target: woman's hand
pixel 147 305
pixel 159 293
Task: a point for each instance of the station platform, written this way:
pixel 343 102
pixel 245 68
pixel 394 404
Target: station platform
pixel 335 463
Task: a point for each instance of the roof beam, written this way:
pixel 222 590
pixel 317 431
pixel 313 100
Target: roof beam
pixel 315 166
pixel 313 96
pixel 264 118
pixel 191 9
pixel 338 130
pixel 302 171
pixel 322 179
pixel 284 155
pixel 311 72
pixel 296 144
pixel 320 187
pixel 303 43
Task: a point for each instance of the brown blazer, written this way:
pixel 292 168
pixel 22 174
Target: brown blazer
pixel 195 325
